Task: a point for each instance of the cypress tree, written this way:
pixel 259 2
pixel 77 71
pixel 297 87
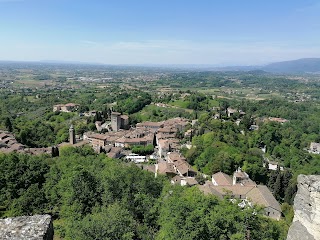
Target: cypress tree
pixel 277 187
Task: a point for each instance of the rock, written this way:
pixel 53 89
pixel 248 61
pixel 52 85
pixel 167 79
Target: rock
pixel 306 221
pixel 37 227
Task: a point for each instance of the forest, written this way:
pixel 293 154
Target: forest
pixel 93 197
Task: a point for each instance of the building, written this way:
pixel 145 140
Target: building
pixel 314 148
pixel 231 112
pixel 165 168
pixel 115 152
pixel 154 126
pixel 69 107
pixel 97 140
pixel 180 165
pixel 184 181
pixel 221 179
pixel 136 158
pixel 115 121
pixel 240 186
pixel 72 135
pixel 124 122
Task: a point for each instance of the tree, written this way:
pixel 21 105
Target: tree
pixel 85 191
pixel 114 222
pixel 8 124
pixel 277 186
pixel 200 179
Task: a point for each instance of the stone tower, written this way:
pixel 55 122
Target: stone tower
pixel 115 121
pixel 72 135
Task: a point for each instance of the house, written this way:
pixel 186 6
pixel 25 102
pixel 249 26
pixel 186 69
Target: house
pixel 184 181
pixel 261 195
pixel 167 131
pixel 279 120
pixel 314 148
pixel 231 111
pixel 240 186
pixel 242 178
pixel 274 166
pixel 180 165
pixel 165 168
pixel 163 147
pixel 124 121
pixel 69 107
pixel 129 142
pixel 154 126
pixel 115 152
pixel 136 158
pixel 176 123
pixel 97 140
pixel 221 179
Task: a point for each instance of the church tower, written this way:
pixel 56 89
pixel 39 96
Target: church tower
pixel 72 135
pixel 115 121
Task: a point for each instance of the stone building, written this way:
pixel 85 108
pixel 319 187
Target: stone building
pixel 72 135
pixel 115 121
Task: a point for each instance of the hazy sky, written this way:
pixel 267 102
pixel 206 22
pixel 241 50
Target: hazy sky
pixel 226 32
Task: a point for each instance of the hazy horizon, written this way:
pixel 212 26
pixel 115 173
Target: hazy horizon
pixel 228 33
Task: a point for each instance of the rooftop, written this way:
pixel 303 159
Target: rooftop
pixel 222 179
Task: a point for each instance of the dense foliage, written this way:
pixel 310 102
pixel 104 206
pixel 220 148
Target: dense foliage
pixel 92 197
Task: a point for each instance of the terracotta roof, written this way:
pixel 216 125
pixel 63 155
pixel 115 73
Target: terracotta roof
pixel 165 136
pixel 182 166
pixel 99 136
pixel 261 195
pixel 148 167
pixel 247 182
pixel 4 135
pixel 150 124
pixel 222 179
pixel 115 149
pixel 233 190
pixel 174 156
pixel 167 130
pixel 191 181
pixel 176 180
pixel 115 113
pixel 163 143
pixel 165 167
pixel 207 189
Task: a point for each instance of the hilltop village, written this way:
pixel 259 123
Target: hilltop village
pixel 155 147
pixel 165 151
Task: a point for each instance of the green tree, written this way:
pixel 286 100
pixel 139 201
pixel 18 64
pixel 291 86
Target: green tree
pixel 114 222
pixel 8 124
pixel 85 191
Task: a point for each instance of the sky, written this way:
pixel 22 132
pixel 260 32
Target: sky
pixel 217 32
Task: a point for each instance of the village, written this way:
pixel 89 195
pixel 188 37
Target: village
pixel 159 145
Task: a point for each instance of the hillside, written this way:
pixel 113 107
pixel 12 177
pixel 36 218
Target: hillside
pixel 304 65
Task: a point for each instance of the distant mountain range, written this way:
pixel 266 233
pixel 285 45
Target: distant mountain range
pixel 304 65
pixel 299 66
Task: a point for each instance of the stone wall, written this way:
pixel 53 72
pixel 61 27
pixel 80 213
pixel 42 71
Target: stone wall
pixel 306 221
pixel 37 227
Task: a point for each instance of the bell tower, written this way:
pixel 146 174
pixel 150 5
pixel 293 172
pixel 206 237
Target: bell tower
pixel 72 135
